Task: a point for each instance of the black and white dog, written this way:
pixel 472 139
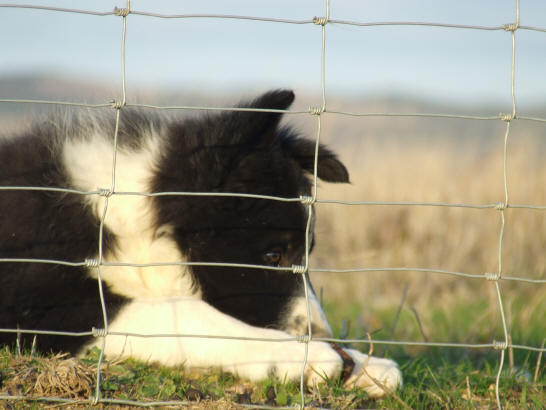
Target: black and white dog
pixel 230 152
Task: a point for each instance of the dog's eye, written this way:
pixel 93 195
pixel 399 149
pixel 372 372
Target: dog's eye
pixel 273 257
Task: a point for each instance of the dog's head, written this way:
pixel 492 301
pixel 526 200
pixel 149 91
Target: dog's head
pixel 243 152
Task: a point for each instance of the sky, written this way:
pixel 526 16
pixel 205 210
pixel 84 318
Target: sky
pixel 444 64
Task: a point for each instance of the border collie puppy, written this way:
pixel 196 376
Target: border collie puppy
pixel 230 152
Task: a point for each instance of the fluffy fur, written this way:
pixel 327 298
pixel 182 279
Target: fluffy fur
pixel 241 152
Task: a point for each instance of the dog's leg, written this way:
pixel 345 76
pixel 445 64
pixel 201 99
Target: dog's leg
pixel 252 359
pixel 185 316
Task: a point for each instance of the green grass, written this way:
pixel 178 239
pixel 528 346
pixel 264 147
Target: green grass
pixel 437 378
pixel 452 377
pixel 434 378
pixel 442 379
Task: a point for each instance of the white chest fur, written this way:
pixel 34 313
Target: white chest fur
pixel 131 217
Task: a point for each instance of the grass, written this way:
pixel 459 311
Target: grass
pixel 435 378
pixel 451 377
pixel 134 380
pixel 440 379
pixel 405 306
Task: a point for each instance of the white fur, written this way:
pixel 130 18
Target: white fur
pixel 251 359
pixel 163 302
pixel 88 162
pixel 248 358
pixel 385 371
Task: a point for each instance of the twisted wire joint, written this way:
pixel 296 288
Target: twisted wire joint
pixel 121 12
pixel 303 338
pixel 320 21
pixel 99 332
pixel 506 117
pixel 105 192
pixel 299 269
pixel 510 27
pixel 117 105
pixel 501 206
pixel 500 345
pixel 307 199
pixel 316 110
pixel 92 263
pixel 492 276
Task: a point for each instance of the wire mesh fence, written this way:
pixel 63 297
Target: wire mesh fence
pixel 507 33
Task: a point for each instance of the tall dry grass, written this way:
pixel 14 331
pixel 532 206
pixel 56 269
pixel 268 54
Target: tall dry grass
pixel 447 170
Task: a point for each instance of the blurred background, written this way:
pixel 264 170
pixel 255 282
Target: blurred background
pixel 406 69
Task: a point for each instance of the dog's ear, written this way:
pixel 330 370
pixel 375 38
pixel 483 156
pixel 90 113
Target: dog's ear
pixel 262 125
pixel 329 167
pixel 262 128
pixel 275 100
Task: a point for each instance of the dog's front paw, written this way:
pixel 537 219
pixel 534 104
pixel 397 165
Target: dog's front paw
pixel 323 362
pixel 377 376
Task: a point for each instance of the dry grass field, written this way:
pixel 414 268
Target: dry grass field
pixel 447 161
pixel 392 159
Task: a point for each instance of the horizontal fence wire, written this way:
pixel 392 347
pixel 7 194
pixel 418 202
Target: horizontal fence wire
pixel 314 20
pixel 301 338
pixel 495 277
pixel 295 268
pixel 311 110
pixel 105 192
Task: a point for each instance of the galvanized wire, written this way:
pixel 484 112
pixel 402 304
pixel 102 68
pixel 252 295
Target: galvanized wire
pixel 512 29
pixel 295 268
pixel 310 203
pixel 302 339
pixel 319 112
pixel 496 205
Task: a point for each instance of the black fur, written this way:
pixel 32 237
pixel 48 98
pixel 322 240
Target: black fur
pixel 241 152
pixel 45 225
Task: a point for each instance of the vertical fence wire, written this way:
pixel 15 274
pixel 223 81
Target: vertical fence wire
pixel 512 29
pixel 107 193
pixel 309 203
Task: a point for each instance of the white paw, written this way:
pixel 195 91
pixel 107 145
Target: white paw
pixel 322 362
pixel 377 376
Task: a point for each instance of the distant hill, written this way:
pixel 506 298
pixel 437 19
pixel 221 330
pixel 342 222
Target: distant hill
pixel 340 130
